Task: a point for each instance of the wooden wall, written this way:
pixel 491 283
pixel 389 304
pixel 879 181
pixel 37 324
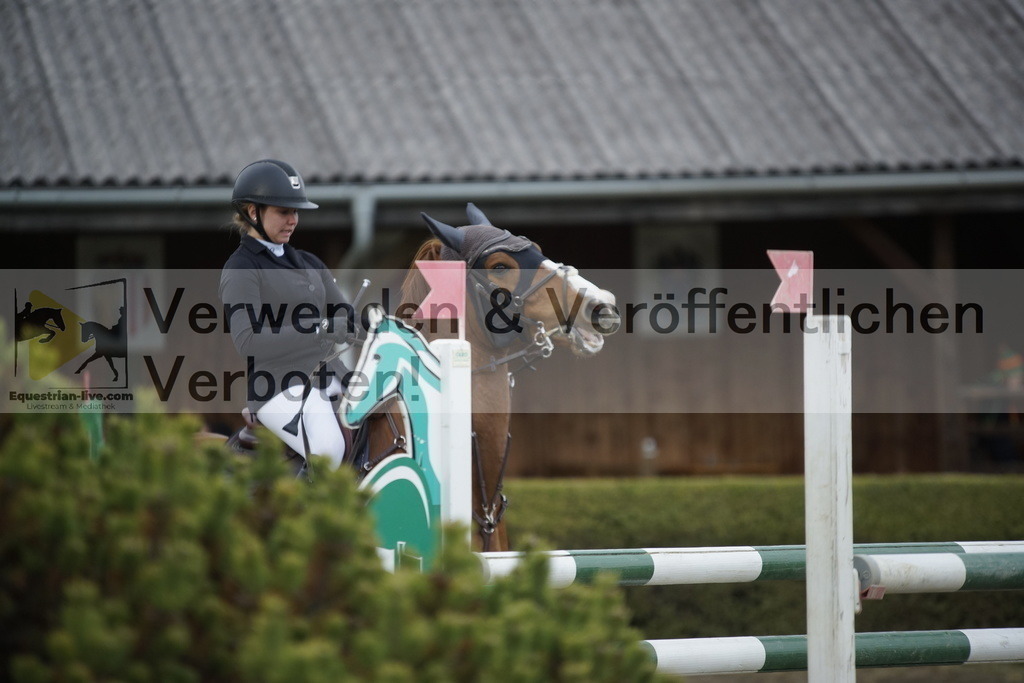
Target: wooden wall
pixel 704 406
pixel 728 443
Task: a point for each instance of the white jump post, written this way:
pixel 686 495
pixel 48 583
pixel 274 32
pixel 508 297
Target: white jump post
pixel 456 444
pixel 446 299
pixel 828 499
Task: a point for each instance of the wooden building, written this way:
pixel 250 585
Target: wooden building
pixel 683 135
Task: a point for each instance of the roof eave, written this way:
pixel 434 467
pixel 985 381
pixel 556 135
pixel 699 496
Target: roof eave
pixel 134 197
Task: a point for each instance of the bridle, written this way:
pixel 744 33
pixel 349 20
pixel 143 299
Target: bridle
pixel 489 298
pixel 485 295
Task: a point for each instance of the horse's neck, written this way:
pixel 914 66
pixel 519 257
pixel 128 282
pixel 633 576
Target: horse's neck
pixel 491 390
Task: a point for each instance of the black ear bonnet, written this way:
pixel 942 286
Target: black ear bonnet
pixel 480 241
pixel 473 244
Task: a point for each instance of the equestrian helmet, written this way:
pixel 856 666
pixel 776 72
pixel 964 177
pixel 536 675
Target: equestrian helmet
pixel 273 183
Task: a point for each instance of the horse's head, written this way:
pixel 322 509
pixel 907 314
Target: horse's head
pixel 87 331
pixel 391 358
pixel 511 282
pixel 58 318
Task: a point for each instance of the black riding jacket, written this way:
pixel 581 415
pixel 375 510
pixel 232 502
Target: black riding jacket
pixel 274 304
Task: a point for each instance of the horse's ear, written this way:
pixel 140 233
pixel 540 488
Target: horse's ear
pixel 476 216
pixel 449 236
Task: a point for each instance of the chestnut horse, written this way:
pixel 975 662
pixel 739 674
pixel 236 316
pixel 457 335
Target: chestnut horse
pixel 520 306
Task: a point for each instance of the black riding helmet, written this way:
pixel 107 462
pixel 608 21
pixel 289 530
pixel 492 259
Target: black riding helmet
pixel 269 182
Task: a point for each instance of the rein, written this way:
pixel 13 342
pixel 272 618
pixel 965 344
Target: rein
pixel 493 510
pixel 541 347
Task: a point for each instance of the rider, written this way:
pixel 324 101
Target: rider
pixel 286 313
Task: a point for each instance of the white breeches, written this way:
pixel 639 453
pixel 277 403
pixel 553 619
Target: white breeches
pixel 318 420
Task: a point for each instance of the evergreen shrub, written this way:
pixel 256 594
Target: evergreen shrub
pixel 166 560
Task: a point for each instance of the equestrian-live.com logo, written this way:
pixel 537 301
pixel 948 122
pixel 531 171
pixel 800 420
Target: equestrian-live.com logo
pixel 70 357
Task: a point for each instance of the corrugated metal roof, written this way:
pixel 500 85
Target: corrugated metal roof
pixel 123 92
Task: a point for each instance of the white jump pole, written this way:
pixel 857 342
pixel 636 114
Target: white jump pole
pixel 828 500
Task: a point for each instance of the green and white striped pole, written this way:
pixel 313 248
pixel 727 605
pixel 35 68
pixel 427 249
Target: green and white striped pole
pixel 696 656
pixel 941 572
pixel 729 564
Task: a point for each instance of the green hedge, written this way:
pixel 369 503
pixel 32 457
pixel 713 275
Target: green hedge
pixel 704 511
pixel 164 561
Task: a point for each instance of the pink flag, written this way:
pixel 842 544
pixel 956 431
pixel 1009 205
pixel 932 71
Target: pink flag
pixel 796 269
pixel 447 295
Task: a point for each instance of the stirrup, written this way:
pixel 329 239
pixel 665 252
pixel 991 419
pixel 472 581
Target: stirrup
pixel 243 441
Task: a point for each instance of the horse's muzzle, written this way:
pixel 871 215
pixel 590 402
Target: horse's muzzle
pixel 602 315
pixel 600 318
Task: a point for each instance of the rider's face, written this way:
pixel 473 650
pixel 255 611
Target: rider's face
pixel 278 222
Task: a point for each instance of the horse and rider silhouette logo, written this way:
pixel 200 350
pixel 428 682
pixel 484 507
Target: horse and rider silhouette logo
pixel 56 335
